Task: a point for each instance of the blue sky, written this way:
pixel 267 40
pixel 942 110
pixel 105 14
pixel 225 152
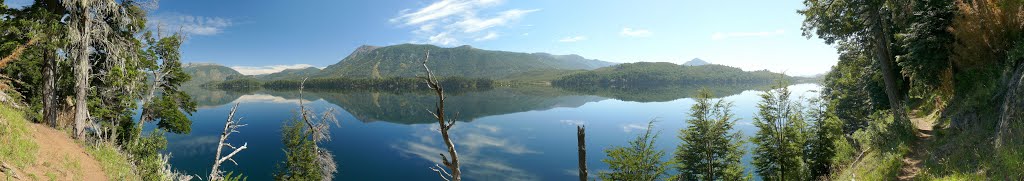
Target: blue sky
pixel 266 36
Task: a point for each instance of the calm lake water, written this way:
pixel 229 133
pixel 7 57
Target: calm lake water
pixel 506 133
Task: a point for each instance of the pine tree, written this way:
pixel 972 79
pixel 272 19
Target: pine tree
pixel 710 149
pixel 780 136
pixel 640 161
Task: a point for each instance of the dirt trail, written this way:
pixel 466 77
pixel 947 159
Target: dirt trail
pixel 61 158
pixel 912 161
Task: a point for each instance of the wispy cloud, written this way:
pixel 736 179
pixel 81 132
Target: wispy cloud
pixel 634 126
pixel 721 36
pixel 268 98
pixel 635 32
pixel 572 39
pixel 489 36
pixel 448 22
pixel 256 70
pixel 572 122
pixel 189 24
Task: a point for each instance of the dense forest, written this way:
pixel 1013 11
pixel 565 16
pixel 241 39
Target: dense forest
pixel 664 73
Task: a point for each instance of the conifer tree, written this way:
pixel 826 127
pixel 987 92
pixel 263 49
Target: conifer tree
pixel 780 136
pixel 710 149
pixel 639 161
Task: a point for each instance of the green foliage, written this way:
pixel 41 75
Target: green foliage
pixel 161 59
pixel 853 89
pixel 710 149
pixel 146 154
pixel 170 109
pixel 406 60
pixel 928 44
pixel 663 73
pixel 826 136
pixel 640 161
pixel 300 154
pixel 231 176
pixel 780 137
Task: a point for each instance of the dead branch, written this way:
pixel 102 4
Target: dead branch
pixel 444 125
pixel 319 130
pixel 17 52
pixel 230 126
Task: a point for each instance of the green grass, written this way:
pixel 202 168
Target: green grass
pixel 116 165
pixel 18 148
pixel 887 145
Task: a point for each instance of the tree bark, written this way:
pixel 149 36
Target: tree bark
pixel 885 60
pixel 582 151
pixel 1011 103
pixel 49 89
pixel 82 76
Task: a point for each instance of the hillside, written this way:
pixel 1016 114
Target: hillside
pixel 696 62
pixel 205 72
pixel 290 74
pixel 405 61
pixel 663 73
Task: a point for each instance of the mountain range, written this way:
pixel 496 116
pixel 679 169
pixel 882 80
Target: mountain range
pixel 405 60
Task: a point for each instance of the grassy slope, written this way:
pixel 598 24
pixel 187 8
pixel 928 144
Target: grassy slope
pixel 952 155
pixel 20 151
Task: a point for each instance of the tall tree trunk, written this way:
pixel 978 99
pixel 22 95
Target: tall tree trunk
pixel 49 86
pixel 885 60
pixel 82 77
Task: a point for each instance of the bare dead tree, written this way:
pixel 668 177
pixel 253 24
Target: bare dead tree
pixel 582 151
pixel 319 129
pixel 230 126
pixel 445 125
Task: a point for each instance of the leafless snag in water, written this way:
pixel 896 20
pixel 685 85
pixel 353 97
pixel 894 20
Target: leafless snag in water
pixel 230 126
pixel 445 125
pixel 319 130
pixel 582 151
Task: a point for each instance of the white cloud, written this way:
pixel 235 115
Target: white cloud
pixel 442 38
pixel 189 24
pixel 268 98
pixel 635 32
pixel 721 36
pixel 448 22
pixel 573 39
pixel 572 122
pixel 473 24
pixel 489 36
pixel 634 126
pixel 256 70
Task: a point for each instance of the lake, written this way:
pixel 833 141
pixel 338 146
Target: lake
pixel 504 133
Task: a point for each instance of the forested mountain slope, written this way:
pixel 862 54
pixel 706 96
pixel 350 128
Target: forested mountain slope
pixel 406 60
pixel 662 73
